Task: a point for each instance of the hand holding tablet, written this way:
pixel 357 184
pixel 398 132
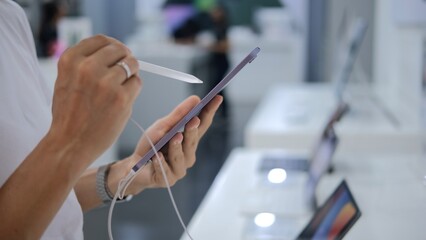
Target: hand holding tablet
pixel 194 112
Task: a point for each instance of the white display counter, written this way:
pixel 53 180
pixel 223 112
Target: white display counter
pixel 292 117
pixel 389 189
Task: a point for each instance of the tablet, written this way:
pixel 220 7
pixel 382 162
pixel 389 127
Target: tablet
pixel 335 217
pixel 332 221
pixel 194 112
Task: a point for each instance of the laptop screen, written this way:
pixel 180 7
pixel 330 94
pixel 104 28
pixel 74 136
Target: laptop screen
pixel 319 164
pixel 322 151
pixel 357 31
pixel 335 217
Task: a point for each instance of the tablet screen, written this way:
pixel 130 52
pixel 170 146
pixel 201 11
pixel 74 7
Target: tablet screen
pixel 336 216
pixel 218 88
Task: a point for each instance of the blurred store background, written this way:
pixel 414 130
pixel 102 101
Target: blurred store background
pixel 281 100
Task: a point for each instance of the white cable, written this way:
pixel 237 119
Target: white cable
pixel 125 182
pixel 121 186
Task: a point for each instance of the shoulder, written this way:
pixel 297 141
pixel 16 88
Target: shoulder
pixel 11 9
pixel 15 27
pixel 13 18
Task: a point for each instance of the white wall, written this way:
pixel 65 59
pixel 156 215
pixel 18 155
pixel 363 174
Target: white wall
pixel 353 9
pixel 398 63
pixel 111 17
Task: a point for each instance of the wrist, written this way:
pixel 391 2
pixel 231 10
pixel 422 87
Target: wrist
pixel 103 190
pixel 118 171
pixel 66 151
pixel 73 155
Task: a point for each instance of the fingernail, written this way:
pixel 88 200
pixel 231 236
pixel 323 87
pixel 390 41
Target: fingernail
pixel 196 125
pixel 179 139
pixel 220 103
pixel 221 100
pixel 160 155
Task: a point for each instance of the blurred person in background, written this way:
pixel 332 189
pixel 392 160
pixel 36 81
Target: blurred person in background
pixel 219 49
pixel 51 14
pixel 214 20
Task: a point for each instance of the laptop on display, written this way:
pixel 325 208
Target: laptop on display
pixel 295 196
pixel 323 149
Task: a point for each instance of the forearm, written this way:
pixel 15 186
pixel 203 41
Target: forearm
pixel 33 194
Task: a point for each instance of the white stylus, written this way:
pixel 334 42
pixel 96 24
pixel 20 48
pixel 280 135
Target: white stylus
pixel 152 68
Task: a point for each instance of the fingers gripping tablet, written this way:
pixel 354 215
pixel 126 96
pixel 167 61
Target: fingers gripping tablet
pixel 194 112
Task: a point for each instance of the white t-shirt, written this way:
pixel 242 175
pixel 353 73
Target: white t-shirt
pixel 25 111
